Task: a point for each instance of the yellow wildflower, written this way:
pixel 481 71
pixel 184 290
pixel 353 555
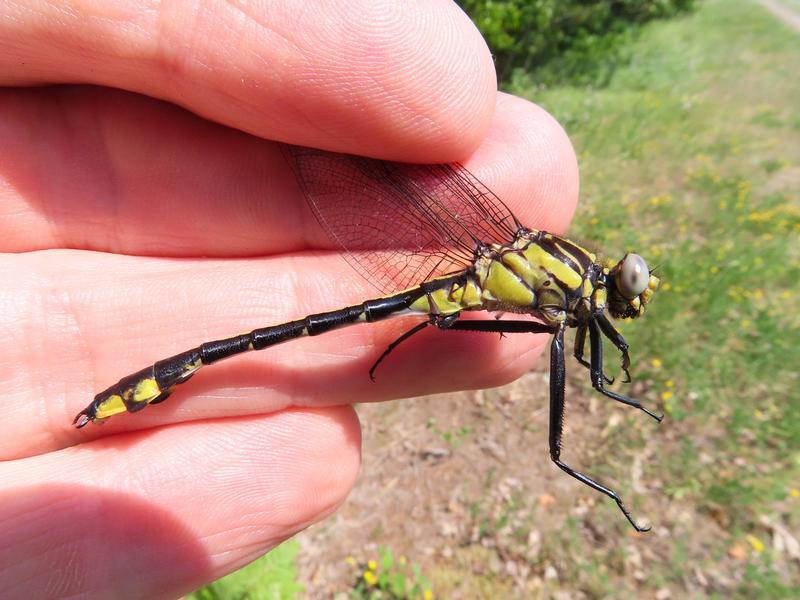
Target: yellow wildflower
pixel 369 578
pixel 372 565
pixel 757 544
pixel 427 594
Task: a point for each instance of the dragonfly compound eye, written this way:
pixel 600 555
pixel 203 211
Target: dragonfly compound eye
pixel 633 276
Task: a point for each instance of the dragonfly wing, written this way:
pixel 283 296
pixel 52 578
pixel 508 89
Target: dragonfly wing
pixel 398 223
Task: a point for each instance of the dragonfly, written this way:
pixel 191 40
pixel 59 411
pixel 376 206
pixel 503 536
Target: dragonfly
pixel 453 248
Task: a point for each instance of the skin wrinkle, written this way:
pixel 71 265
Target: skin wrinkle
pixel 265 26
pixel 62 115
pixel 231 96
pixel 449 99
pixel 41 301
pixel 168 55
pixel 383 81
pixel 333 428
pixel 294 375
pixel 111 183
pixel 71 321
pixel 176 62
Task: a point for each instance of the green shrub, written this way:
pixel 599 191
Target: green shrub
pixel 555 41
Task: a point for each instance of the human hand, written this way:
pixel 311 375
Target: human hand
pixel 133 229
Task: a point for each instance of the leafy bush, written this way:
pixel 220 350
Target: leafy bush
pixel 554 41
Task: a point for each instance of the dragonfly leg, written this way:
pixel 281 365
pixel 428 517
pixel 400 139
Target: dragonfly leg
pixel 498 326
pixel 444 322
pixel 580 346
pixel 616 338
pixel 596 372
pixel 416 329
pixel 557 376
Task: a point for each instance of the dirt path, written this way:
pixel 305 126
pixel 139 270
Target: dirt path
pixel 784 12
pixel 462 485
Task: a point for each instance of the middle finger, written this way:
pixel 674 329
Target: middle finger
pixel 105 323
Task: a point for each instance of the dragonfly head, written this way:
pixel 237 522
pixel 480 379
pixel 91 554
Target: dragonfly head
pixel 630 284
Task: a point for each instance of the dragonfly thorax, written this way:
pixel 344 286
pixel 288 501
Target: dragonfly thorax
pixel 538 273
pixel 547 276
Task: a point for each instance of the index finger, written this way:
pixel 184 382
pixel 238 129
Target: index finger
pixel 396 80
pixel 94 169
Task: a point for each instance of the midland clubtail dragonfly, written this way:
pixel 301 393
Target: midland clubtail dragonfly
pixel 437 233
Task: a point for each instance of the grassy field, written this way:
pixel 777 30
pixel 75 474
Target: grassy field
pixel 691 156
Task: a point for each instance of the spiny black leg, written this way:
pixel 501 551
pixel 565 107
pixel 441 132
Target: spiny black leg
pixel 596 371
pixel 397 342
pixel 441 321
pixel 580 346
pixel 557 375
pixel 499 326
pixel 616 338
pixel 451 323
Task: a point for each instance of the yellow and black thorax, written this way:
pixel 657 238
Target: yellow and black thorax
pixel 538 273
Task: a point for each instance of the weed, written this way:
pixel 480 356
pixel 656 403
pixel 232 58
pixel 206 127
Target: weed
pixel 389 578
pixel 452 438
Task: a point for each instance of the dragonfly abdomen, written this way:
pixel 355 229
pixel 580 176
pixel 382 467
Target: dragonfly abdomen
pixel 155 383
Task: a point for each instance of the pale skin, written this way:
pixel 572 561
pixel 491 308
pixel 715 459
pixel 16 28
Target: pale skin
pixel 133 229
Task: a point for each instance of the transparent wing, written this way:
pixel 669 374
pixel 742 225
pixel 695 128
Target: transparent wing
pixel 400 224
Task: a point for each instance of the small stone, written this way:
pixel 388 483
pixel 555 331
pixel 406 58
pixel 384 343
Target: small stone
pixel 737 552
pixel 546 500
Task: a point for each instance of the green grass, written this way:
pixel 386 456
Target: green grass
pixel 691 157
pixel 271 577
pixel 454 439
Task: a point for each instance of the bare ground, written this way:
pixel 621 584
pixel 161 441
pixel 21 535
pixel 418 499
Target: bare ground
pixel 462 485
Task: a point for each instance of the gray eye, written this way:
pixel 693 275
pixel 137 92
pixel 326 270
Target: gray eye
pixel 633 276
